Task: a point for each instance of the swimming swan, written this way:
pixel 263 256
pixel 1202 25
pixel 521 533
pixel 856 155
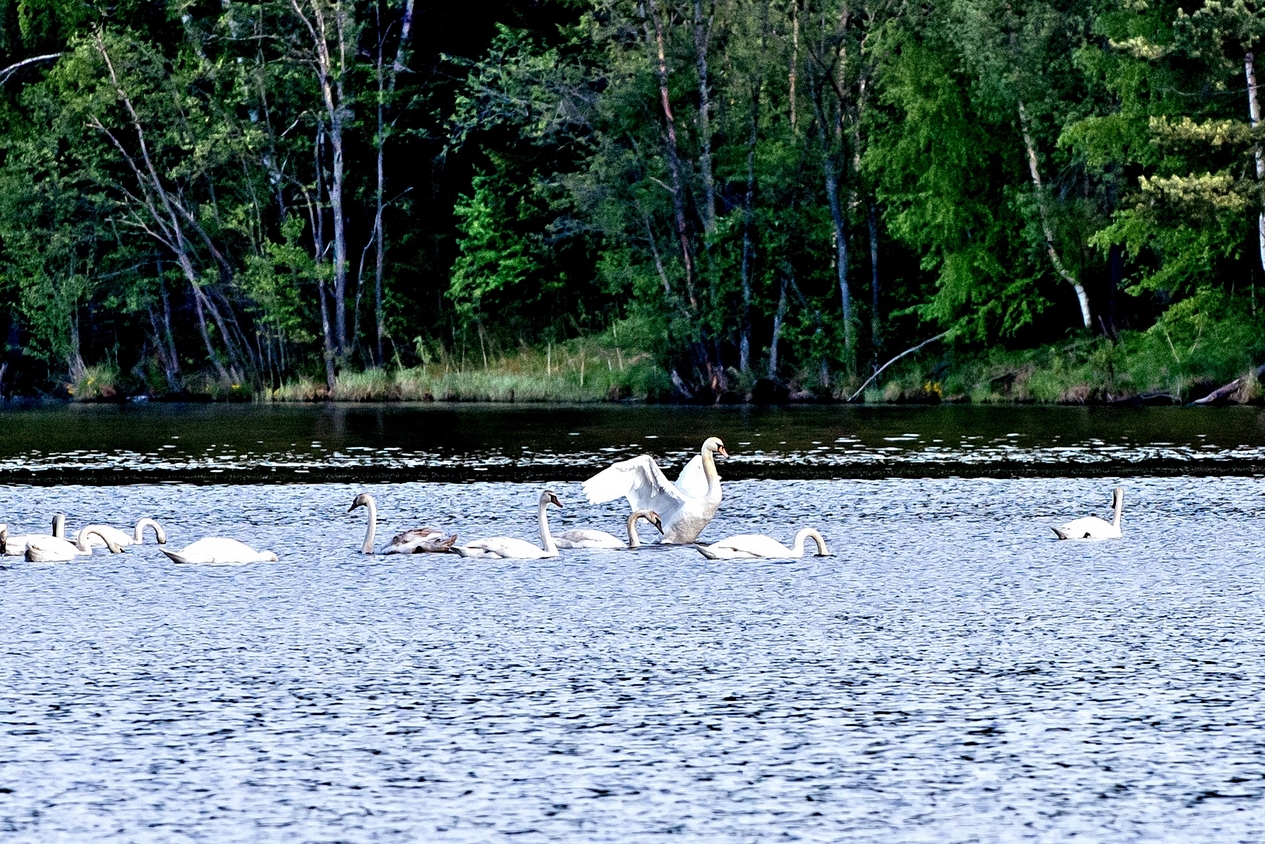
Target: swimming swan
pixel 422 540
pixel 685 506
pixel 217 549
pixel 137 536
pixel 585 538
pixel 509 548
pixel 15 545
pixel 1092 527
pixel 749 546
pixel 55 549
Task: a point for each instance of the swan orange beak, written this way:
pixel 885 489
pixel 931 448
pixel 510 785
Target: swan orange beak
pixel 554 500
pixel 722 452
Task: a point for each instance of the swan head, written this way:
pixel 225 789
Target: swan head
pixel 715 445
pixel 653 518
pixel 364 499
pixel 548 497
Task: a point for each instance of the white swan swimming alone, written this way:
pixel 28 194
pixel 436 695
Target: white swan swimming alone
pixel 685 507
pixel 748 546
pixel 217 549
pixel 1092 527
pixel 586 538
pixel 14 545
pixel 509 548
pixel 137 537
pixel 55 549
pixel 421 540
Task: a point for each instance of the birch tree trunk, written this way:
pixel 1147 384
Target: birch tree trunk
pixel 1254 111
pixel 379 231
pixel 1047 228
pixel 330 27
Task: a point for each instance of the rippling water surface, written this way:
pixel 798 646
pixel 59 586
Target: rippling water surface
pixel 951 674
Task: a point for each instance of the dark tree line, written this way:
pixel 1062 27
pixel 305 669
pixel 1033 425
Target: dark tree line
pixel 245 192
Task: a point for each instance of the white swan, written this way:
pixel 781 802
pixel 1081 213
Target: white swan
pixel 55 549
pixel 1092 527
pixel 137 537
pixel 509 548
pixel 421 540
pixel 747 546
pixel 14 545
pixel 685 507
pixel 217 549
pixel 585 538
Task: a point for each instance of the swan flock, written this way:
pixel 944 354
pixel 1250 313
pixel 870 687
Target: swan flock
pixel 679 510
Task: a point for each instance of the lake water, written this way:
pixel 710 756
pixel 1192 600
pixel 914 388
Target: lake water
pixel 951 674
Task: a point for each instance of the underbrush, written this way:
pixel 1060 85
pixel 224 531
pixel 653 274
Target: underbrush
pixel 1196 347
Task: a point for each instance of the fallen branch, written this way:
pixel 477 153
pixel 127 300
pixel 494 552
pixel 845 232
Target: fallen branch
pixel 908 351
pixel 16 66
pixel 1221 392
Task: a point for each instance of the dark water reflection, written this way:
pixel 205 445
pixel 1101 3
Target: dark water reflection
pixel 271 443
pixel 951 675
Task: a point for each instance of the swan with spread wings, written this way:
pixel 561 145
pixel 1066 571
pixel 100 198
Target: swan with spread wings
pixel 685 507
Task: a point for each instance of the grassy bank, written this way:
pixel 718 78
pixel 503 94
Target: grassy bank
pixel 579 371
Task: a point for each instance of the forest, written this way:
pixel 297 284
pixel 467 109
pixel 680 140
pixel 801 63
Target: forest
pixel 690 200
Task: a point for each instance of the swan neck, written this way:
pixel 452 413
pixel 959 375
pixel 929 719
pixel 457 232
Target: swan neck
pixel 801 540
pixel 81 540
pixel 709 470
pixel 1117 509
pixel 160 535
pixel 634 541
pixel 59 526
pixel 371 530
pixel 546 538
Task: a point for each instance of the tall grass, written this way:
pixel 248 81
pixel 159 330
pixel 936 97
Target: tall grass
pixel 585 370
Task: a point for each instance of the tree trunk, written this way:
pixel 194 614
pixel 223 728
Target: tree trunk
pixel 839 222
pixel 1254 110
pixel 794 69
pixel 325 332
pixel 677 187
pixel 379 232
pixel 748 245
pixel 777 329
pixel 876 321
pixel 702 38
pixel 1086 317
pixel 1115 275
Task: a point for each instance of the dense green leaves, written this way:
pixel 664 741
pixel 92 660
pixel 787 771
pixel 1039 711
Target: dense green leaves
pixel 257 191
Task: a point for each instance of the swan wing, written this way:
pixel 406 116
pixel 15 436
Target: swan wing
pixel 753 545
pixel 1090 527
pixel 503 547
pixel 218 549
pixel 585 538
pixel 692 481
pixel 50 549
pixel 411 541
pixel 716 551
pixel 641 481
pixel 118 536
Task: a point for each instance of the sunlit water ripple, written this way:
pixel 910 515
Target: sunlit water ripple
pixel 952 674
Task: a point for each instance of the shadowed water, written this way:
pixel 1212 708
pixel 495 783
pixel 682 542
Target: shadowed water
pixel 951 674
pixel 376 443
